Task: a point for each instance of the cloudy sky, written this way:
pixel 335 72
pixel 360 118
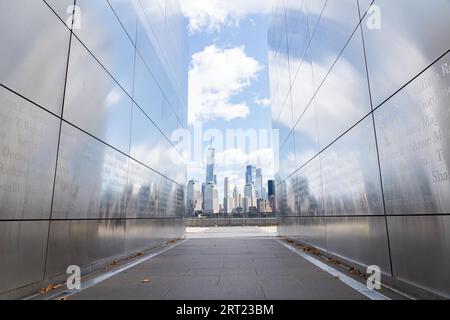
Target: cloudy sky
pixel 229 81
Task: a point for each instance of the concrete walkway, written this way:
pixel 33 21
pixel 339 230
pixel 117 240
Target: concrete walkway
pixel 224 263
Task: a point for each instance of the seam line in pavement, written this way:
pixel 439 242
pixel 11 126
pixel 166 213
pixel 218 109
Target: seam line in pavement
pixel 92 282
pixel 356 285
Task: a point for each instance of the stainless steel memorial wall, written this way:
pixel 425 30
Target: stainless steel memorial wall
pixel 361 99
pixel 90 93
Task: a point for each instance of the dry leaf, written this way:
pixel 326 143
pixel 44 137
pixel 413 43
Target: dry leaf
pixel 47 289
pixel 354 271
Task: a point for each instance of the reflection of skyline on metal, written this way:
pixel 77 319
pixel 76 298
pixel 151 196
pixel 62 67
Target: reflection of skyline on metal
pixel 86 111
pixel 360 97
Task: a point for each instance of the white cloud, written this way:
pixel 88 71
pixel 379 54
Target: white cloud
pixel 215 77
pixel 213 15
pixel 236 156
pixel 265 102
pixel 114 97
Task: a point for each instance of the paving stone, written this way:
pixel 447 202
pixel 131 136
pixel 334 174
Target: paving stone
pixel 215 265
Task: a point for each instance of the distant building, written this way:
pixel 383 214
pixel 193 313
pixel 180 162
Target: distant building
pixel 250 174
pixel 226 187
pixel 227 199
pixel 259 184
pixel 263 206
pixel 236 197
pixel 249 192
pixel 194 199
pixel 211 198
pixel 245 204
pixel 271 187
pixel 271 194
pixel 228 205
pixel 252 209
pixel 210 162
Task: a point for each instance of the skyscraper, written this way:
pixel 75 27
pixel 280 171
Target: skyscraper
pixel 194 201
pixel 249 192
pixel 259 184
pixel 236 197
pixel 246 203
pixel 227 199
pixel 210 161
pixel 211 198
pixel 226 187
pixel 271 187
pixel 250 174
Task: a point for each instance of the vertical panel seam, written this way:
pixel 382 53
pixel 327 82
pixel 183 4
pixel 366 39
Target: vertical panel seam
pixel 376 143
pixel 59 139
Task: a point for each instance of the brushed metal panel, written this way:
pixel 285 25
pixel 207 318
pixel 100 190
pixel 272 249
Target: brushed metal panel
pixel 126 12
pixel 91 180
pixel 308 230
pixel 289 197
pixel 297 30
pixel 169 122
pixel 28 143
pixel 285 122
pixel 143 194
pixel 180 200
pixel 302 88
pixel 350 173
pixel 287 160
pixel 104 36
pixel 32 63
pixel 286 226
pixel 279 199
pixel 414 143
pixel 149 233
pixel 309 192
pixel 147 93
pixel 364 6
pixel 306 136
pixel 148 49
pixel 314 9
pixel 22 253
pixel 94 102
pixel 83 243
pixel 337 22
pixel 168 196
pixel 421 251
pixel 408 41
pixel 151 147
pixel 63 9
pixel 359 239
pixel 344 98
